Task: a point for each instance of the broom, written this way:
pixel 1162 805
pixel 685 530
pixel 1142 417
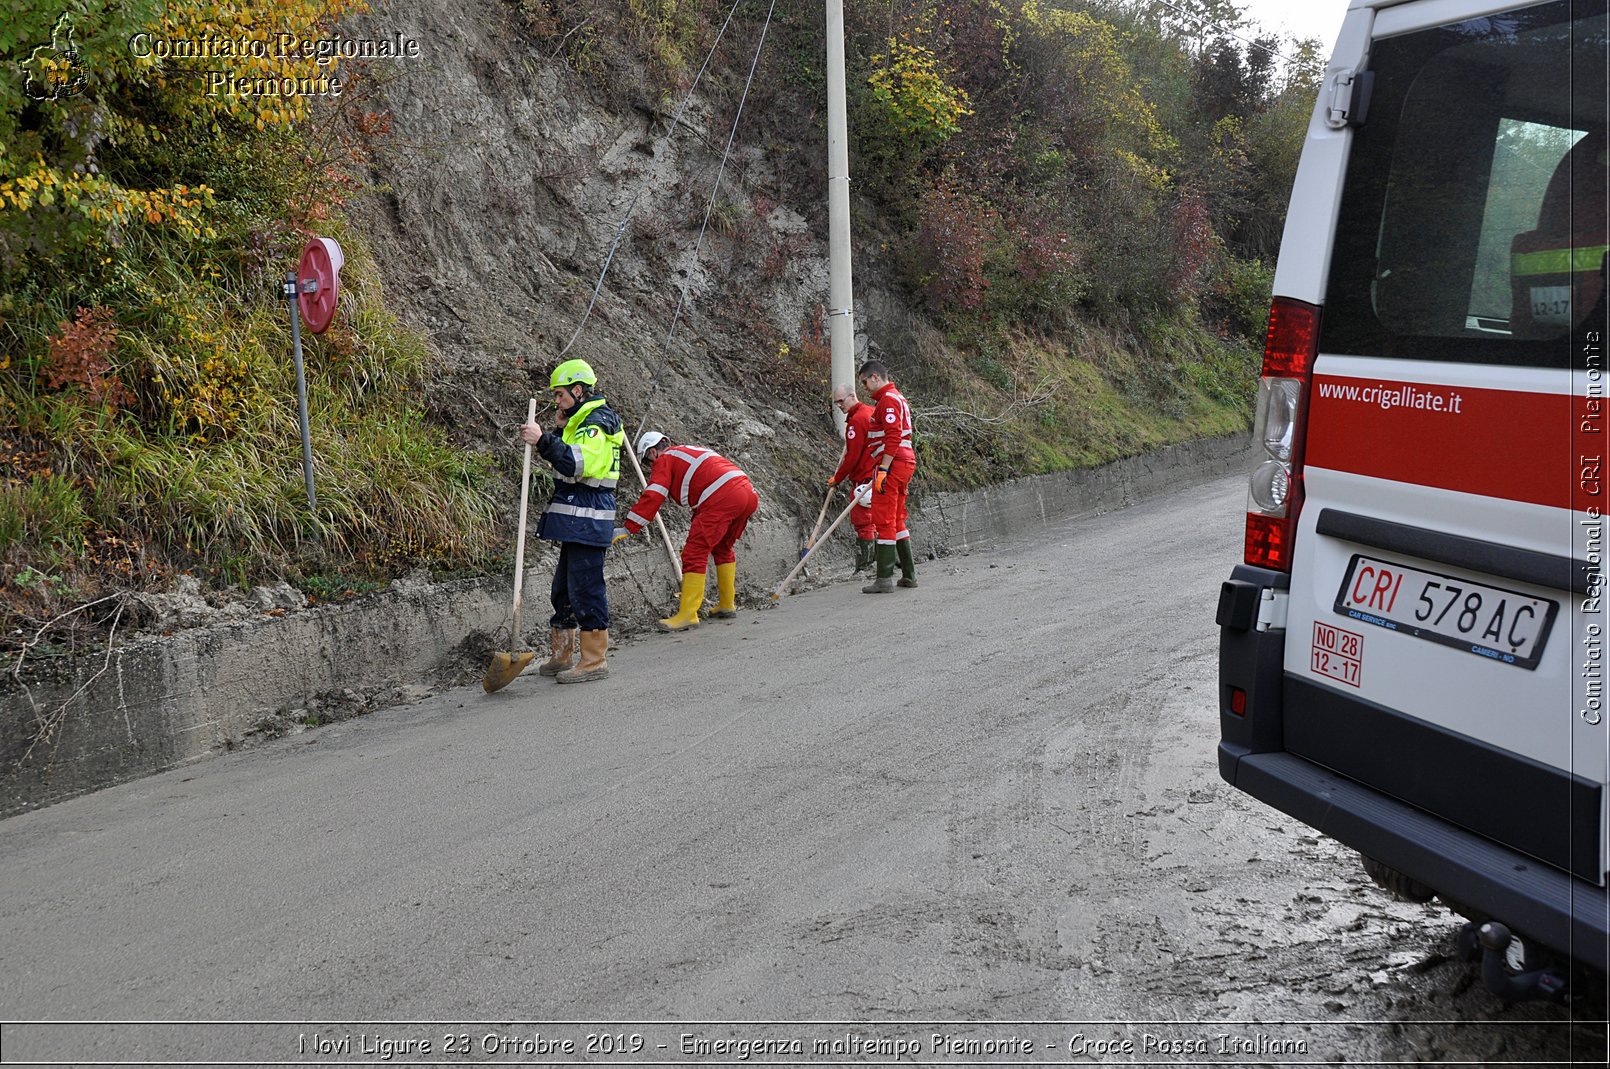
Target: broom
pixel 505 666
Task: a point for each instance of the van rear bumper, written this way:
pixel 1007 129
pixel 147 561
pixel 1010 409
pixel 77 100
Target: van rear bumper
pixel 1560 911
pixel 1541 902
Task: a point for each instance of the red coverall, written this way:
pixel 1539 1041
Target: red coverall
pixel 719 493
pixel 857 465
pixel 891 436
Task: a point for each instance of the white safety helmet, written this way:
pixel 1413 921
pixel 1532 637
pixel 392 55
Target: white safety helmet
pixel 648 440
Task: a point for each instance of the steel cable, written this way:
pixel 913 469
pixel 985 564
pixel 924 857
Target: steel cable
pixel 715 189
pixel 620 228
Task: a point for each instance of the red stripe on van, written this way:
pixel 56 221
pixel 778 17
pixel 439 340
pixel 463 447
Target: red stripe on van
pixel 1496 443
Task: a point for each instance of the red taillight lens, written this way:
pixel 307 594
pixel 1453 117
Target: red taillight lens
pixel 1238 701
pixel 1292 339
pixel 1275 489
pixel 1268 541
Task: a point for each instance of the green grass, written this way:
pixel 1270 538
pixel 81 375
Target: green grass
pixel 1085 401
pixel 204 472
pixel 47 514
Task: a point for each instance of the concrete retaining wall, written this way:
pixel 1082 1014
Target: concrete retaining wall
pixel 160 702
pixel 957 521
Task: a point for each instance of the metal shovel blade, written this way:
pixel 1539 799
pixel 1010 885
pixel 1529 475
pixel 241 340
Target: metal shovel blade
pixel 504 667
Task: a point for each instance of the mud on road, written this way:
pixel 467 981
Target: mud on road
pixel 987 810
pixel 1207 906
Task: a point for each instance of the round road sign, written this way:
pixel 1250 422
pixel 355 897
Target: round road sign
pixel 320 273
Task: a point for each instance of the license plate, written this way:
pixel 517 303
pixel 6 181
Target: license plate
pixel 1488 621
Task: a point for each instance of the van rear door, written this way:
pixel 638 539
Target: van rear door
pixel 1445 630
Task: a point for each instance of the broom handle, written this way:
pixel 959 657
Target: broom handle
pixel 519 545
pixel 811 541
pixel 659 521
pixel 778 593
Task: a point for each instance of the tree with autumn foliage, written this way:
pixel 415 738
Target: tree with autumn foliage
pixel 1116 162
pixel 160 165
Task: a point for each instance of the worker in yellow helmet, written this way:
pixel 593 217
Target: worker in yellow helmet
pixel 584 450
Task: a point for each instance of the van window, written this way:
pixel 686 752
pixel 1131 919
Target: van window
pixel 1472 225
pixel 1525 156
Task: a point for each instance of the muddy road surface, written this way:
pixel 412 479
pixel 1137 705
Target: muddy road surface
pixel 979 821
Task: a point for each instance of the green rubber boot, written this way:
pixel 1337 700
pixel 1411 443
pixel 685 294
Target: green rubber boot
pixel 866 553
pixel 908 566
pixel 884 583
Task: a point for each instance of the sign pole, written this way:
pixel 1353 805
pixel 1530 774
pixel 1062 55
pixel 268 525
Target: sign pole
pixel 313 290
pixel 291 290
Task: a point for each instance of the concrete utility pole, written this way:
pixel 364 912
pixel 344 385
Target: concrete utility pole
pixel 840 303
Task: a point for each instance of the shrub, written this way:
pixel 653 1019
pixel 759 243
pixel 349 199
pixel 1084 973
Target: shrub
pixel 146 394
pixel 921 103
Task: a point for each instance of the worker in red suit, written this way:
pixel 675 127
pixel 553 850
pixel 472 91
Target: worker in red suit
pixel 856 466
pixel 895 462
pixel 722 500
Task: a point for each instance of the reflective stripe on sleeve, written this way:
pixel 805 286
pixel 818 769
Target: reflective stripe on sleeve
pixel 656 488
pixel 640 521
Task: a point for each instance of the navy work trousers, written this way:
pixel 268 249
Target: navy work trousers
pixel 579 597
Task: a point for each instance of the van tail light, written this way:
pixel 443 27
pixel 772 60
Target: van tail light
pixel 1274 493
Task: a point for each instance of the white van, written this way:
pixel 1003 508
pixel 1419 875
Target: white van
pixel 1412 656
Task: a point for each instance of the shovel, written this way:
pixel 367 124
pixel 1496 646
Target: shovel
pixel 505 666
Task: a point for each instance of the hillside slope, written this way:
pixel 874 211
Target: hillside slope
pixel 496 195
pixel 1060 213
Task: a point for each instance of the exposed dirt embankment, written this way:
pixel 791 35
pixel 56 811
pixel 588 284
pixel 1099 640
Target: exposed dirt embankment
pixel 497 196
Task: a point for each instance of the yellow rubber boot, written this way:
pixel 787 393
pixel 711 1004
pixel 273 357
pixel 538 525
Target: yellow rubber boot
pixel 726 592
pixel 687 614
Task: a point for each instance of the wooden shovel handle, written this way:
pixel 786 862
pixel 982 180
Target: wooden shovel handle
pixel 519 542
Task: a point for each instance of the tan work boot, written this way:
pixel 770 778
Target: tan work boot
pixel 687 614
pixel 593 665
pixel 726 592
pixel 563 643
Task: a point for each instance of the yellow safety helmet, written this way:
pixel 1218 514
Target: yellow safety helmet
pixel 572 371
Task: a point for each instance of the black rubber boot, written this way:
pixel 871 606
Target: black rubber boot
pixel 884 583
pixel 908 566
